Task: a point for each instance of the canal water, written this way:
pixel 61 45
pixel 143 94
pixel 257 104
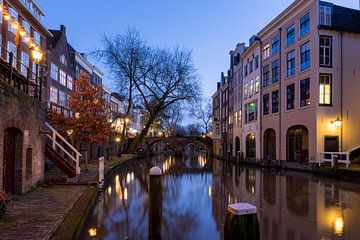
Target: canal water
pixel 197 190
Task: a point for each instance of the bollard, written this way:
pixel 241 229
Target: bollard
pixel 336 163
pixel 155 203
pixel 101 173
pixel 241 222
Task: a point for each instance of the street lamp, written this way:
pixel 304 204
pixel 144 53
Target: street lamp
pixel 37 57
pixel 337 122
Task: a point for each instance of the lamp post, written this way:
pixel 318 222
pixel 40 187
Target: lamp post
pixel 37 57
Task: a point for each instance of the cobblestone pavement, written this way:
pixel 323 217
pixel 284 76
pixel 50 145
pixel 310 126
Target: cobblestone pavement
pixel 37 214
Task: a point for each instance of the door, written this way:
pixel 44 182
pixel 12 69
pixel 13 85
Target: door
pixel 331 144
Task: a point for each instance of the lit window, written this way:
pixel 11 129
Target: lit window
pixel 14 15
pixel 70 82
pixel 63 60
pixel 325 89
pixel 37 38
pixel 251 90
pixel 250 112
pixel 305 56
pixel 325 15
pixel 26 27
pixel 266 51
pixel 54 72
pixel 25 61
pixel 62 77
pixel 325 54
pixel 53 94
pixel 305 25
pixel 305 92
pixel 257 84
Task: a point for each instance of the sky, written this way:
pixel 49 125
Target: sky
pixel 210 28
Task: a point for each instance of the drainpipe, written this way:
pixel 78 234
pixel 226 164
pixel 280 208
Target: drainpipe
pixel 260 99
pixel 280 96
pixel 341 91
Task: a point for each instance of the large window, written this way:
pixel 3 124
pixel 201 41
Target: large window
pixel 62 98
pixel 54 72
pixel 305 92
pixel 290 97
pixel 325 15
pixel 26 27
pixel 25 61
pixel 53 94
pixel 70 82
pixel 62 77
pixel 275 101
pixel 257 84
pixel 250 112
pixel 275 73
pixel 266 104
pixel 266 51
pixel 305 25
pixel 290 63
pixel 275 45
pixel 305 56
pixel 37 38
pixel 325 52
pixel 266 76
pixel 246 90
pixel 14 16
pixel 290 35
pixel 325 89
pixel 11 48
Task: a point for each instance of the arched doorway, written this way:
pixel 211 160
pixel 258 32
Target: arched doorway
pixel 13 147
pixel 269 144
pixel 237 146
pixel 297 144
pixel 250 146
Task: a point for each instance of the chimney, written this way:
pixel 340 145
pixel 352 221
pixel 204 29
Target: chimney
pixel 63 29
pixel 218 85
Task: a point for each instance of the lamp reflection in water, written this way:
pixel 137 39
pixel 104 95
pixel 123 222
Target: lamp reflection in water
pixel 201 160
pixel 209 191
pixel 339 226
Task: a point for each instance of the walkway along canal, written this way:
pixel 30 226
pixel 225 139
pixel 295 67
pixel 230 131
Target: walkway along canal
pixel 197 190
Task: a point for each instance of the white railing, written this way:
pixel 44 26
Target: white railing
pixel 54 136
pixel 343 157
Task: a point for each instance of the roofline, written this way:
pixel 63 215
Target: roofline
pixel 83 62
pixel 250 48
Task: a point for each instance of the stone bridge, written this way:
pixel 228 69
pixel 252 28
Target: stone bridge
pixel 178 143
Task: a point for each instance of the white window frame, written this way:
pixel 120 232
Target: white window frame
pixel 54 72
pixel 15 16
pixel 37 38
pixel 69 82
pixel 53 94
pixel 323 93
pixel 62 77
pixel 322 51
pixel 325 13
pixel 25 63
pixel 26 27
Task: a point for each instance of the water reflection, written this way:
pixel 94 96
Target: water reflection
pixel 197 190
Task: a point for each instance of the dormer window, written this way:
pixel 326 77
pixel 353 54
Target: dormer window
pixel 63 60
pixel 325 15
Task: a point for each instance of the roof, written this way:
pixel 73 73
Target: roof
pixel 344 19
pixel 56 35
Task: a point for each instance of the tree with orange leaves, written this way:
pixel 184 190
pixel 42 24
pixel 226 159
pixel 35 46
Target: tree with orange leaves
pixel 89 121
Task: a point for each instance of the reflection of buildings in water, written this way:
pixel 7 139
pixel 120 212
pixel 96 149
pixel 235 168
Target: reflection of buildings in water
pixel 290 206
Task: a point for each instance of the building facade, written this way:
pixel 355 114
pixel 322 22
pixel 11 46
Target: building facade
pixel 300 79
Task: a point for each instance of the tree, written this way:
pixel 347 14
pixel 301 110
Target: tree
pixel 155 78
pixel 170 119
pixel 202 110
pixel 89 122
pixel 193 129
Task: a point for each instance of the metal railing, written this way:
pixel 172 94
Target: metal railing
pixel 343 157
pixel 59 143
pixel 17 74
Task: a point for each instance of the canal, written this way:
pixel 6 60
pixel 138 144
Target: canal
pixel 197 190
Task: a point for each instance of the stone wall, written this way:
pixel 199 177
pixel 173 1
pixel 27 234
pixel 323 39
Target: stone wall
pixel 23 114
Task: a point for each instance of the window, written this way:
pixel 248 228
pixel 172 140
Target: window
pixel 290 63
pixel 25 62
pixel 53 94
pixel 28 162
pixel 14 16
pixel 37 38
pixel 256 62
pixel 266 104
pixel 305 92
pixel 54 72
pixel 70 82
pixel 62 98
pixel 305 25
pixel 290 97
pixel 63 60
pixel 246 90
pixel 251 66
pixel 275 101
pixel 77 72
pixel 257 84
pixel 26 27
pixel 325 15
pixel 251 90
pixel 62 77
pixel 325 91
pixel 325 57
pixel 266 76
pixel 246 70
pixel 11 48
pixel 250 112
pixel 275 73
pixel 305 56
pixel 290 35
pixel 275 45
pixel 1 15
pixel 266 51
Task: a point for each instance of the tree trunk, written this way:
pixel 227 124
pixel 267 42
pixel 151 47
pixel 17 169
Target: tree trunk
pixel 143 133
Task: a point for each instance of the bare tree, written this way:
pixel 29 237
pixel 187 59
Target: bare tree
pixel 202 110
pixel 170 119
pixel 193 129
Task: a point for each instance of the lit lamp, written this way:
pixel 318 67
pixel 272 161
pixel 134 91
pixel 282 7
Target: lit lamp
pixel 69 132
pixel 37 57
pixel 337 122
pixel 117 139
pixel 127 120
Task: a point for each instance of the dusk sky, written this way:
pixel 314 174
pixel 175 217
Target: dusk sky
pixel 210 28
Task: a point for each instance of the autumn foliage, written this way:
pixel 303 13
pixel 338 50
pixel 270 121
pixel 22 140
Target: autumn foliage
pixel 90 113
